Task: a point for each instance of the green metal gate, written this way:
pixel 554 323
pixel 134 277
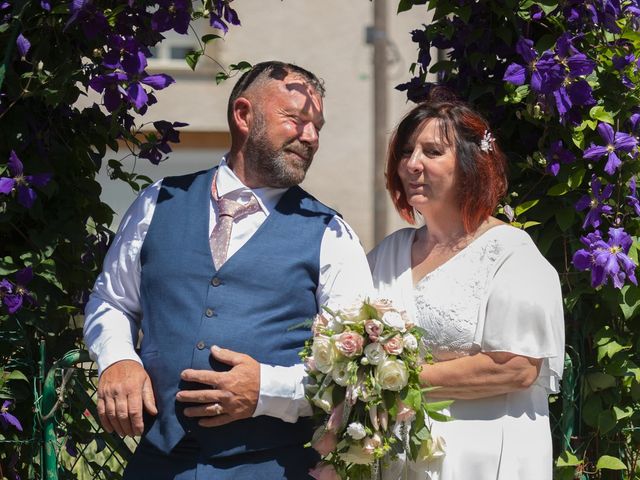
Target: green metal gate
pixel 74 446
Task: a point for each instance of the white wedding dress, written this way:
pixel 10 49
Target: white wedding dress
pixel 499 294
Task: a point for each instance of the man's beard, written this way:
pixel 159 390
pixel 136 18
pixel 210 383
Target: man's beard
pixel 270 165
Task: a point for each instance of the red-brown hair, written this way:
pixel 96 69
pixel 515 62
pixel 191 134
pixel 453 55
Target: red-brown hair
pixel 482 176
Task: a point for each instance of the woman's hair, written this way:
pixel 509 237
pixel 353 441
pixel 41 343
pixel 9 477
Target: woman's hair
pixel 480 164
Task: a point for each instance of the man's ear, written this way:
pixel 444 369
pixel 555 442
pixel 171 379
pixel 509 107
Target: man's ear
pixel 242 114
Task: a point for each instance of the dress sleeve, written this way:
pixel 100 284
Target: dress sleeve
pixel 523 313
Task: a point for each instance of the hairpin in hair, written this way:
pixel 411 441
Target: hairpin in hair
pixel 486 143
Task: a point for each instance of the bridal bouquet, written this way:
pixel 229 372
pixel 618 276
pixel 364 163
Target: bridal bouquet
pixel 364 364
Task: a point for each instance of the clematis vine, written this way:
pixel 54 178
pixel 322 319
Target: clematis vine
pixel 607 260
pixel 7 419
pixel 22 183
pixel 617 143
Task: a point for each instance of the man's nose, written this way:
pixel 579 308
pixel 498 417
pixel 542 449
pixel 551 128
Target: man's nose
pixel 310 135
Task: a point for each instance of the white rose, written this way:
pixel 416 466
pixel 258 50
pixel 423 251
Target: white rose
pixel 356 431
pixel 432 449
pixel 375 353
pixel 323 353
pixel 351 314
pixel 335 325
pixel 392 375
pixel 324 400
pixel 394 320
pixel 357 454
pixel 340 373
pixel 410 342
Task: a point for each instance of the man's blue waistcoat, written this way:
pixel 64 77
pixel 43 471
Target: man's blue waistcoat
pixel 249 306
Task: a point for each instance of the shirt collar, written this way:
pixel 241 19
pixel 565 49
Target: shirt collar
pixel 228 184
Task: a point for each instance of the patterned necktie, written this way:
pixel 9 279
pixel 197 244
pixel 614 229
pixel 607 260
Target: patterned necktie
pixel 228 210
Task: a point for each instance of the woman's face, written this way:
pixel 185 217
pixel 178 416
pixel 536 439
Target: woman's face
pixel 427 168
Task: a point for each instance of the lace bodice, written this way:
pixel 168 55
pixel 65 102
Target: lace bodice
pixel 448 299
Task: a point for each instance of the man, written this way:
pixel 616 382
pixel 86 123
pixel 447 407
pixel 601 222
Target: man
pixel 217 269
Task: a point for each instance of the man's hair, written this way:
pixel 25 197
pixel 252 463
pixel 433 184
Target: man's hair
pixel 271 70
pixel 482 174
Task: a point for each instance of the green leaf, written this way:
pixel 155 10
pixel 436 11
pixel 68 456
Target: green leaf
pixel 622 414
pixel 606 422
pixel 17 375
pixel 221 77
pixel 568 459
pixel 631 295
pixel 575 179
pixel 529 224
pixel 600 381
pixel 437 406
pixel 599 113
pixel 558 190
pixel 192 59
pixel 610 463
pixel 565 218
pixel 404 6
pixel 209 38
pixel 578 139
pixel 523 207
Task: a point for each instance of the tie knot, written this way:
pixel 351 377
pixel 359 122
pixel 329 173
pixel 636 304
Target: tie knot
pixel 233 209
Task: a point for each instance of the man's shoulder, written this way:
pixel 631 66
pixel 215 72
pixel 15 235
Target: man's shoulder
pixel 310 203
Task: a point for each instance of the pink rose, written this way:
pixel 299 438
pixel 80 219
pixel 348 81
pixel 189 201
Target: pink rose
pixel 394 345
pixel 383 305
pixel 326 443
pixel 405 414
pixel 324 471
pixel 335 419
pixel 373 328
pixel 349 344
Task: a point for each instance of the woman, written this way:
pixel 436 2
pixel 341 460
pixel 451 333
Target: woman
pixel 489 302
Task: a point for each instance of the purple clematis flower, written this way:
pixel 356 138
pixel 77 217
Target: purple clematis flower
pixel 156 146
pixel 134 66
pixel 607 260
pixel 620 62
pixel 595 203
pixel 22 183
pixel 15 299
pixel 92 20
pixel 556 155
pixel 221 14
pixel 7 419
pixel 172 14
pixel 23 45
pixel 546 74
pixel 46 5
pixel 616 142
pixel 632 200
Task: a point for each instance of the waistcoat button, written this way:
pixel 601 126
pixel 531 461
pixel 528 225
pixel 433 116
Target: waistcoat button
pixel 209 312
pixel 215 282
pixel 200 345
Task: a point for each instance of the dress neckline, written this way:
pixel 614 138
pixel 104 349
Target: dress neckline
pixel 473 242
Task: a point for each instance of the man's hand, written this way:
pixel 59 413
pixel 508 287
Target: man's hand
pixel 123 389
pixel 233 395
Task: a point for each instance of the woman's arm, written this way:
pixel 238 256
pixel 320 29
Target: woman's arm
pixel 480 375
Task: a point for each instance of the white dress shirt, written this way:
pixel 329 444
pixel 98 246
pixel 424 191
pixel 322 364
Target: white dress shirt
pixel 112 315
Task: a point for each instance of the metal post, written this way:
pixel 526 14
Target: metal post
pixel 379 118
